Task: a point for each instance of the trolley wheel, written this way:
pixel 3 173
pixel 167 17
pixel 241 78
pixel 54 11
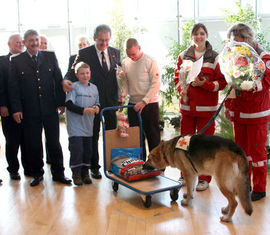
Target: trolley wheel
pixel 147 200
pixel 115 186
pixel 174 194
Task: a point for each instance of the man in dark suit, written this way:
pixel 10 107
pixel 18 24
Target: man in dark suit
pixel 12 130
pixel 36 95
pixel 102 60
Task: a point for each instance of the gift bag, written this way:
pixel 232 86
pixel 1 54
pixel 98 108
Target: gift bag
pixel 127 165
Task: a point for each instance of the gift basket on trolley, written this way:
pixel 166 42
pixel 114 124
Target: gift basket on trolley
pixel 123 165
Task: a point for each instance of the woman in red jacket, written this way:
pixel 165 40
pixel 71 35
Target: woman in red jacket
pixel 199 99
pixel 249 111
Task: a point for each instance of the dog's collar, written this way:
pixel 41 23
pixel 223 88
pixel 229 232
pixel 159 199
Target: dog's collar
pixel 164 155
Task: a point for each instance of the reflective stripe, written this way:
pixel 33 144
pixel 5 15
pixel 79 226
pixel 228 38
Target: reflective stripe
pixel 206 108
pixel 208 65
pixel 185 107
pixel 177 85
pixel 259 85
pixel 231 113
pixel 216 85
pixel 255 115
pixel 249 158
pixel 259 164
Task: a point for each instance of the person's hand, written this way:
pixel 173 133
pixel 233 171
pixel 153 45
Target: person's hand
pixel 198 82
pixel 67 85
pixel 139 107
pixel 121 98
pixel 183 93
pixel 227 114
pixel 18 117
pixel 89 111
pixel 122 74
pixel 96 108
pixel 61 109
pixel 4 111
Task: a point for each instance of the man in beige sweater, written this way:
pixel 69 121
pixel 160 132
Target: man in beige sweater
pixel 142 83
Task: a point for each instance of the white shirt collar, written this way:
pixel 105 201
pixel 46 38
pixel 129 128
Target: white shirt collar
pixel 99 52
pixel 32 55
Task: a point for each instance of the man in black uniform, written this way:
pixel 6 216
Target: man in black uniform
pixel 11 129
pixel 102 60
pixel 36 95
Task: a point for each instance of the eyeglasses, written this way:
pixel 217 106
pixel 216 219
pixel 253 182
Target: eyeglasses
pixel 103 40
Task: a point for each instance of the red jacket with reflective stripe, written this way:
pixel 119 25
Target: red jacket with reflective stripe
pixel 202 101
pixel 253 107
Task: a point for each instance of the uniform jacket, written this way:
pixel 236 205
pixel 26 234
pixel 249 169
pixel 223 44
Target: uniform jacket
pixel 106 83
pixel 4 68
pixel 253 107
pixel 202 101
pixel 35 89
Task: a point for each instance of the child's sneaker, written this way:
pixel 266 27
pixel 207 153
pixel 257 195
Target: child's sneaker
pixel 86 179
pixel 182 181
pixel 202 185
pixel 77 179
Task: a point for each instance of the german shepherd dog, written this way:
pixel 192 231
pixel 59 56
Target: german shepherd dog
pixel 208 155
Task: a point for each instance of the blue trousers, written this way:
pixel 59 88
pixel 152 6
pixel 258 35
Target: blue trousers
pixel 80 148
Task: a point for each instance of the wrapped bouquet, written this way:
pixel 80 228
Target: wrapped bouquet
pixel 120 75
pixel 185 68
pixel 241 65
pixel 189 70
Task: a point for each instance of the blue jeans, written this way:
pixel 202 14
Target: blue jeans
pixel 80 148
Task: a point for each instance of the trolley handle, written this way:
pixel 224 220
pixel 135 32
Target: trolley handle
pixel 119 107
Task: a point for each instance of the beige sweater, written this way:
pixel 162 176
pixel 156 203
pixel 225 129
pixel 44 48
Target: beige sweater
pixel 142 80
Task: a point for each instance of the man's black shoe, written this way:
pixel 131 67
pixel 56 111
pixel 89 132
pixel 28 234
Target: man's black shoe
pixel 96 174
pixel 15 176
pixel 36 180
pixel 1 181
pixel 62 179
pixel 257 196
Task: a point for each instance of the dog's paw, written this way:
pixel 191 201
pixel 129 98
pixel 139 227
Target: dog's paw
pixel 184 202
pixel 225 219
pixel 225 210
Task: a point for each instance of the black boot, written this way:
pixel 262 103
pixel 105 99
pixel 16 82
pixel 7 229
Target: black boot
pixel 257 196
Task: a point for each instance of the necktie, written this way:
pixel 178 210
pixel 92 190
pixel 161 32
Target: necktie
pixel 104 64
pixel 34 59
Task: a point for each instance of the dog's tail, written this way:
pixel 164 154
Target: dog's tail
pixel 243 188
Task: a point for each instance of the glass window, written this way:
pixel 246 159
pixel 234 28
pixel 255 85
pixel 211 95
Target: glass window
pixel 186 8
pixel 263 7
pixel 9 23
pixel 211 8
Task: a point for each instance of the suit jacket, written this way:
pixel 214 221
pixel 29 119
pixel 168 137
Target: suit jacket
pixel 106 83
pixel 35 89
pixel 71 61
pixel 4 68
